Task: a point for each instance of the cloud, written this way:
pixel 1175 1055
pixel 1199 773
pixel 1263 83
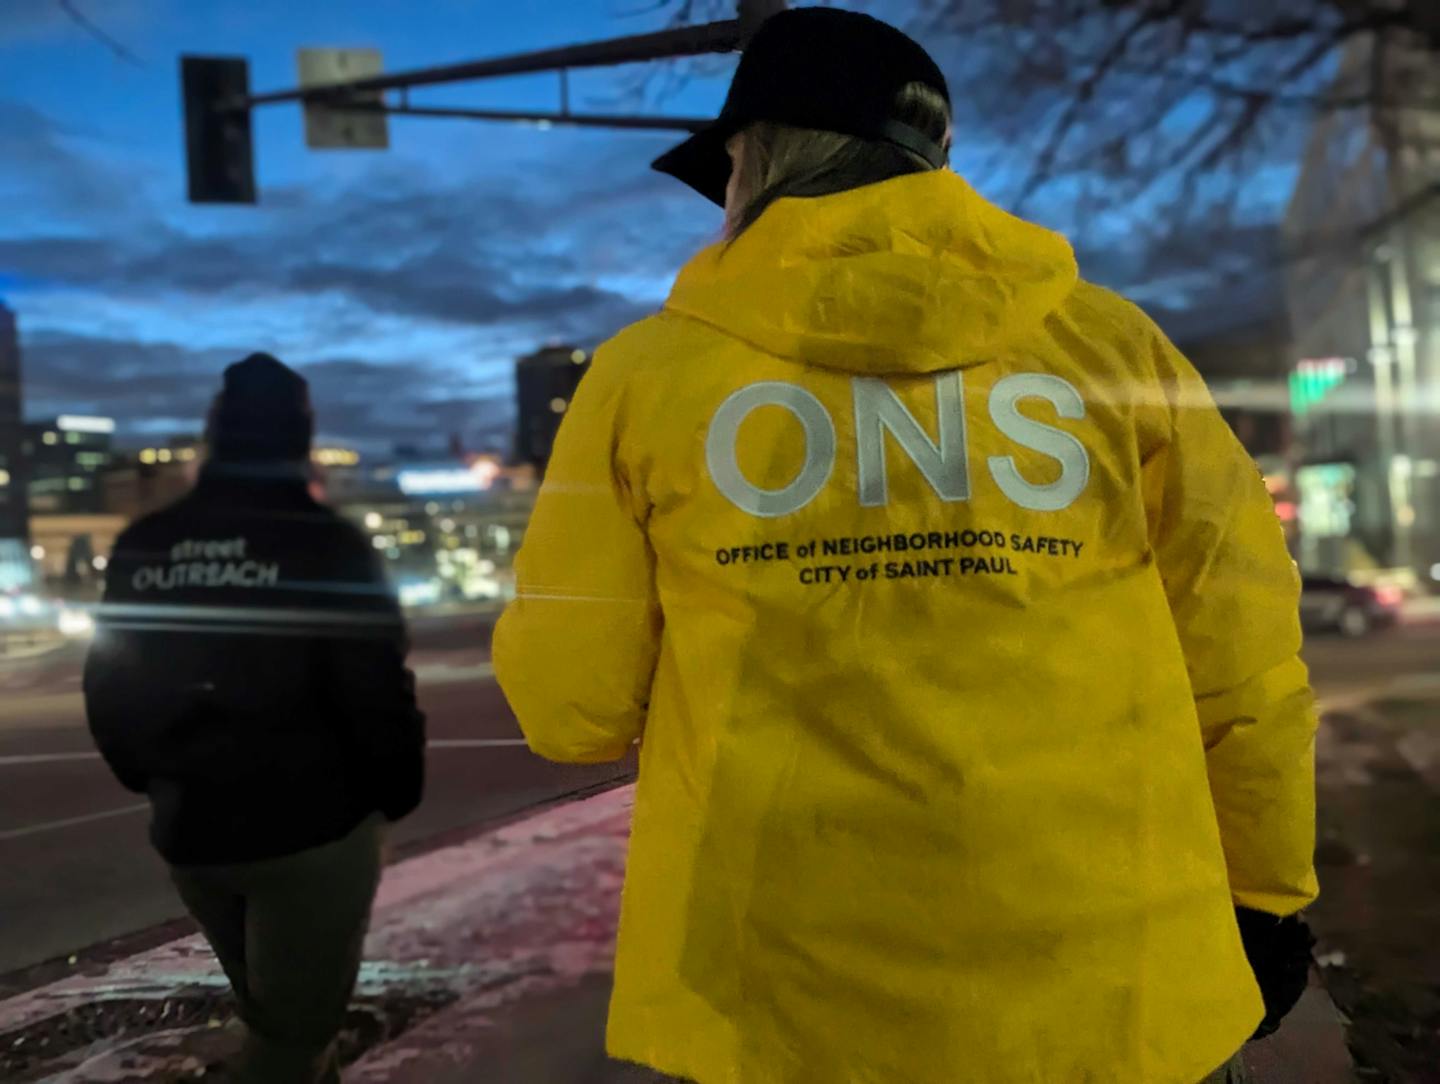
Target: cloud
pixel 153 389
pixel 479 251
pixel 60 173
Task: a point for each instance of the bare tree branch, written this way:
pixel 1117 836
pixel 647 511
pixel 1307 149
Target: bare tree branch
pixel 1042 170
pixel 85 23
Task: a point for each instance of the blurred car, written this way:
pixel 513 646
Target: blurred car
pixel 23 609
pixel 1333 604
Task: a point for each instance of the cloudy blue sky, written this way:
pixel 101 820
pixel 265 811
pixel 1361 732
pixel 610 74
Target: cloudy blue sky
pixel 403 283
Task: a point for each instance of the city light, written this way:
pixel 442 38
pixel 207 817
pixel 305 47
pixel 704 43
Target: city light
pixel 4 477
pixel 101 563
pixel 558 405
pixel 579 357
pixel 76 623
pixel 50 438
pixel 1312 380
pixel 84 423
pixel 373 520
pixel 148 455
pixel 37 552
pixel 335 457
pixel 439 480
pixel 485 472
pixel 164 455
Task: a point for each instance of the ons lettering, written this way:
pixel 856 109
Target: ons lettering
pixel 944 461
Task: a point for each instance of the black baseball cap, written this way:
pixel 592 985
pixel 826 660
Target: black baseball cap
pixel 821 68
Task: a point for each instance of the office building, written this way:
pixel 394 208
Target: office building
pixel 153 478
pixel 14 507
pixel 1364 297
pixel 545 383
pixel 66 456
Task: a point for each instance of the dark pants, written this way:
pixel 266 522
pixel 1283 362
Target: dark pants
pixel 289 933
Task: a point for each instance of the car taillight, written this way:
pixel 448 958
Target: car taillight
pixel 1389 596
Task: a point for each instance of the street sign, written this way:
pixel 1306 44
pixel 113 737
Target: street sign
pixel 219 157
pixel 332 127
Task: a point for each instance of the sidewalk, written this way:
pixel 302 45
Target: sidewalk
pixel 488 961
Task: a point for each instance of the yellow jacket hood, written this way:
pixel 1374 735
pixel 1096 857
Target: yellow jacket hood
pixel 914 275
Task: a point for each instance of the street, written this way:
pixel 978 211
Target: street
pixel 79 870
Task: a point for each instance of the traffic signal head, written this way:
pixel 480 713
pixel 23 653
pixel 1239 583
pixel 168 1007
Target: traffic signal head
pixel 219 154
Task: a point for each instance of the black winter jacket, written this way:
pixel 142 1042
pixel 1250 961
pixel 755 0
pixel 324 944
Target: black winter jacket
pixel 248 674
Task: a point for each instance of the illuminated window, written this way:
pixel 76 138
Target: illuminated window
pixel 164 455
pixel 4 477
pixel 50 438
pixel 373 520
pixel 335 457
pixel 148 455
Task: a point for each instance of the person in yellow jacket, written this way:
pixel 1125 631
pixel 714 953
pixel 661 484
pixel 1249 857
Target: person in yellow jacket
pixel 957 630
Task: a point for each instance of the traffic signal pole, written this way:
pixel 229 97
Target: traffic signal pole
pixel 721 37
pixel 218 101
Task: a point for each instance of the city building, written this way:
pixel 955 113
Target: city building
pixel 545 383
pixel 1363 290
pixel 1247 369
pixel 338 474
pixel 14 506
pixel 151 478
pixel 66 456
pixel 447 547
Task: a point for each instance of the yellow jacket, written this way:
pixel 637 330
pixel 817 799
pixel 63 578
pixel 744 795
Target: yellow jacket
pixel 963 642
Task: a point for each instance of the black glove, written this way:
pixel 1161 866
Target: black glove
pixel 1279 954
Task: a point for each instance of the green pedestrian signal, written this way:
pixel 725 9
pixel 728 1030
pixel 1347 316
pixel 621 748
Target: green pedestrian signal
pixel 1312 380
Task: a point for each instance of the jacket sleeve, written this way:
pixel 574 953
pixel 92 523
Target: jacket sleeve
pixel 1234 592
pixel 575 652
pixel 114 698
pixel 371 688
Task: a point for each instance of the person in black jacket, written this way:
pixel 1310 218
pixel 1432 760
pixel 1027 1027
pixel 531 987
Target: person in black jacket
pixel 248 675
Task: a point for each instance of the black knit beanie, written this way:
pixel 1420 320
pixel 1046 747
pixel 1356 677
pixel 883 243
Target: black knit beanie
pixel 262 413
